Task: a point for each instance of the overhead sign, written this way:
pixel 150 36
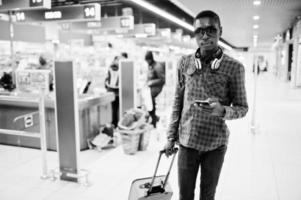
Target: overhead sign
pixel 7 5
pixel 90 11
pixel 148 29
pixel 52 15
pixel 25 32
pixel 75 39
pixel 4 16
pixel 127 22
pixel 36 3
pixel 186 38
pixel 5 30
pixel 164 32
pixel 22 32
pixel 85 12
pixel 176 36
pixel 108 23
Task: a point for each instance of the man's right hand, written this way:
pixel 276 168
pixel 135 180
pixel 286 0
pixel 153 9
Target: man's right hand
pixel 169 148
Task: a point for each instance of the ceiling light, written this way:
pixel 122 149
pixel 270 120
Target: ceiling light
pixel 224 45
pixel 256 3
pixel 255 26
pixel 170 17
pixel 256 17
pixel 255 36
pixel 164 14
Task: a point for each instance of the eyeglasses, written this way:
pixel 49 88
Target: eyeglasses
pixel 210 31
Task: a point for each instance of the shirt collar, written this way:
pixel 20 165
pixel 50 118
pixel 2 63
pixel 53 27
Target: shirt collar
pixel 217 54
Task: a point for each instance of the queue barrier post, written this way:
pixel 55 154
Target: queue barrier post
pixel 40 135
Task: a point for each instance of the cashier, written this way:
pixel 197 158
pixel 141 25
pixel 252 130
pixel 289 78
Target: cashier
pixel 112 85
pixel 43 65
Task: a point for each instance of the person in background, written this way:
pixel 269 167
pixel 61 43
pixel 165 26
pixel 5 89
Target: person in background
pixel 44 65
pixel 211 76
pixel 42 62
pixel 155 80
pixel 112 85
pixel 124 55
pixel 6 81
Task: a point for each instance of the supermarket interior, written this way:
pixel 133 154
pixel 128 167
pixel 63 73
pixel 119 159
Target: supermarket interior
pixel 85 112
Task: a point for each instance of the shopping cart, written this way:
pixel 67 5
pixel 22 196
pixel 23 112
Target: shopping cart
pixel 155 187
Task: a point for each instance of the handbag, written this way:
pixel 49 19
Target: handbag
pixel 147 98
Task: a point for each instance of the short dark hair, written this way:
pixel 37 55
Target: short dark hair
pixel 210 14
pixel 42 61
pixel 124 54
pixel 149 56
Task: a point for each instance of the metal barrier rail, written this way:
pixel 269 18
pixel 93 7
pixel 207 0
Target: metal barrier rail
pixel 41 135
pixel 20 133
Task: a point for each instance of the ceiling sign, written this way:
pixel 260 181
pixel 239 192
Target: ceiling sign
pixel 148 29
pixel 25 32
pixel 36 3
pixel 186 38
pixel 5 31
pixel 121 22
pixel 164 32
pixel 126 22
pixel 108 23
pixel 85 12
pixel 75 39
pixel 176 36
pixel 7 5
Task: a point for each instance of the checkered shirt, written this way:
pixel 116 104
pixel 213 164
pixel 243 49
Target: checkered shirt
pixel 189 125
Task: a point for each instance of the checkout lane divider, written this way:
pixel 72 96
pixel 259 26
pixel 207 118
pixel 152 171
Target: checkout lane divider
pixel 41 135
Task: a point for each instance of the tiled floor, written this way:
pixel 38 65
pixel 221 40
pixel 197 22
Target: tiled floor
pixel 261 166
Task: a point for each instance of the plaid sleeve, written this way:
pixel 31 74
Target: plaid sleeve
pixel 239 107
pixel 172 132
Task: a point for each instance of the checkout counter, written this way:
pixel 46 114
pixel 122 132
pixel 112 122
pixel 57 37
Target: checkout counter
pixel 93 112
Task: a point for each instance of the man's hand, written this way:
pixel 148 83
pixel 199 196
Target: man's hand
pixel 169 148
pixel 214 108
pixel 218 109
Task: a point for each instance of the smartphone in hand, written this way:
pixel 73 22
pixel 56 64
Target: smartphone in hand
pixel 202 102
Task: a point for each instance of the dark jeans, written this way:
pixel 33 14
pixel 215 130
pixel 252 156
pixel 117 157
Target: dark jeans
pixel 210 162
pixel 153 113
pixel 115 111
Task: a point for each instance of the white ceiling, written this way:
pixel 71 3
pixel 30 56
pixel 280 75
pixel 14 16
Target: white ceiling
pixel 237 18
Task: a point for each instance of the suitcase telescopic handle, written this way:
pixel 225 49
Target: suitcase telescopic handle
pixel 174 152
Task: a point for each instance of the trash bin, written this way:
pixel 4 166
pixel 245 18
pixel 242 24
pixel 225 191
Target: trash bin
pixel 130 140
pixel 134 130
pixel 144 138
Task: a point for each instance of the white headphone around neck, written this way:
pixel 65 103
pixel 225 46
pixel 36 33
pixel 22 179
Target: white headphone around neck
pixel 215 63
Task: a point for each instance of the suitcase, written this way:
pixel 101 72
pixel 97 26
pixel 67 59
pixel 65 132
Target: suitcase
pixel 155 187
